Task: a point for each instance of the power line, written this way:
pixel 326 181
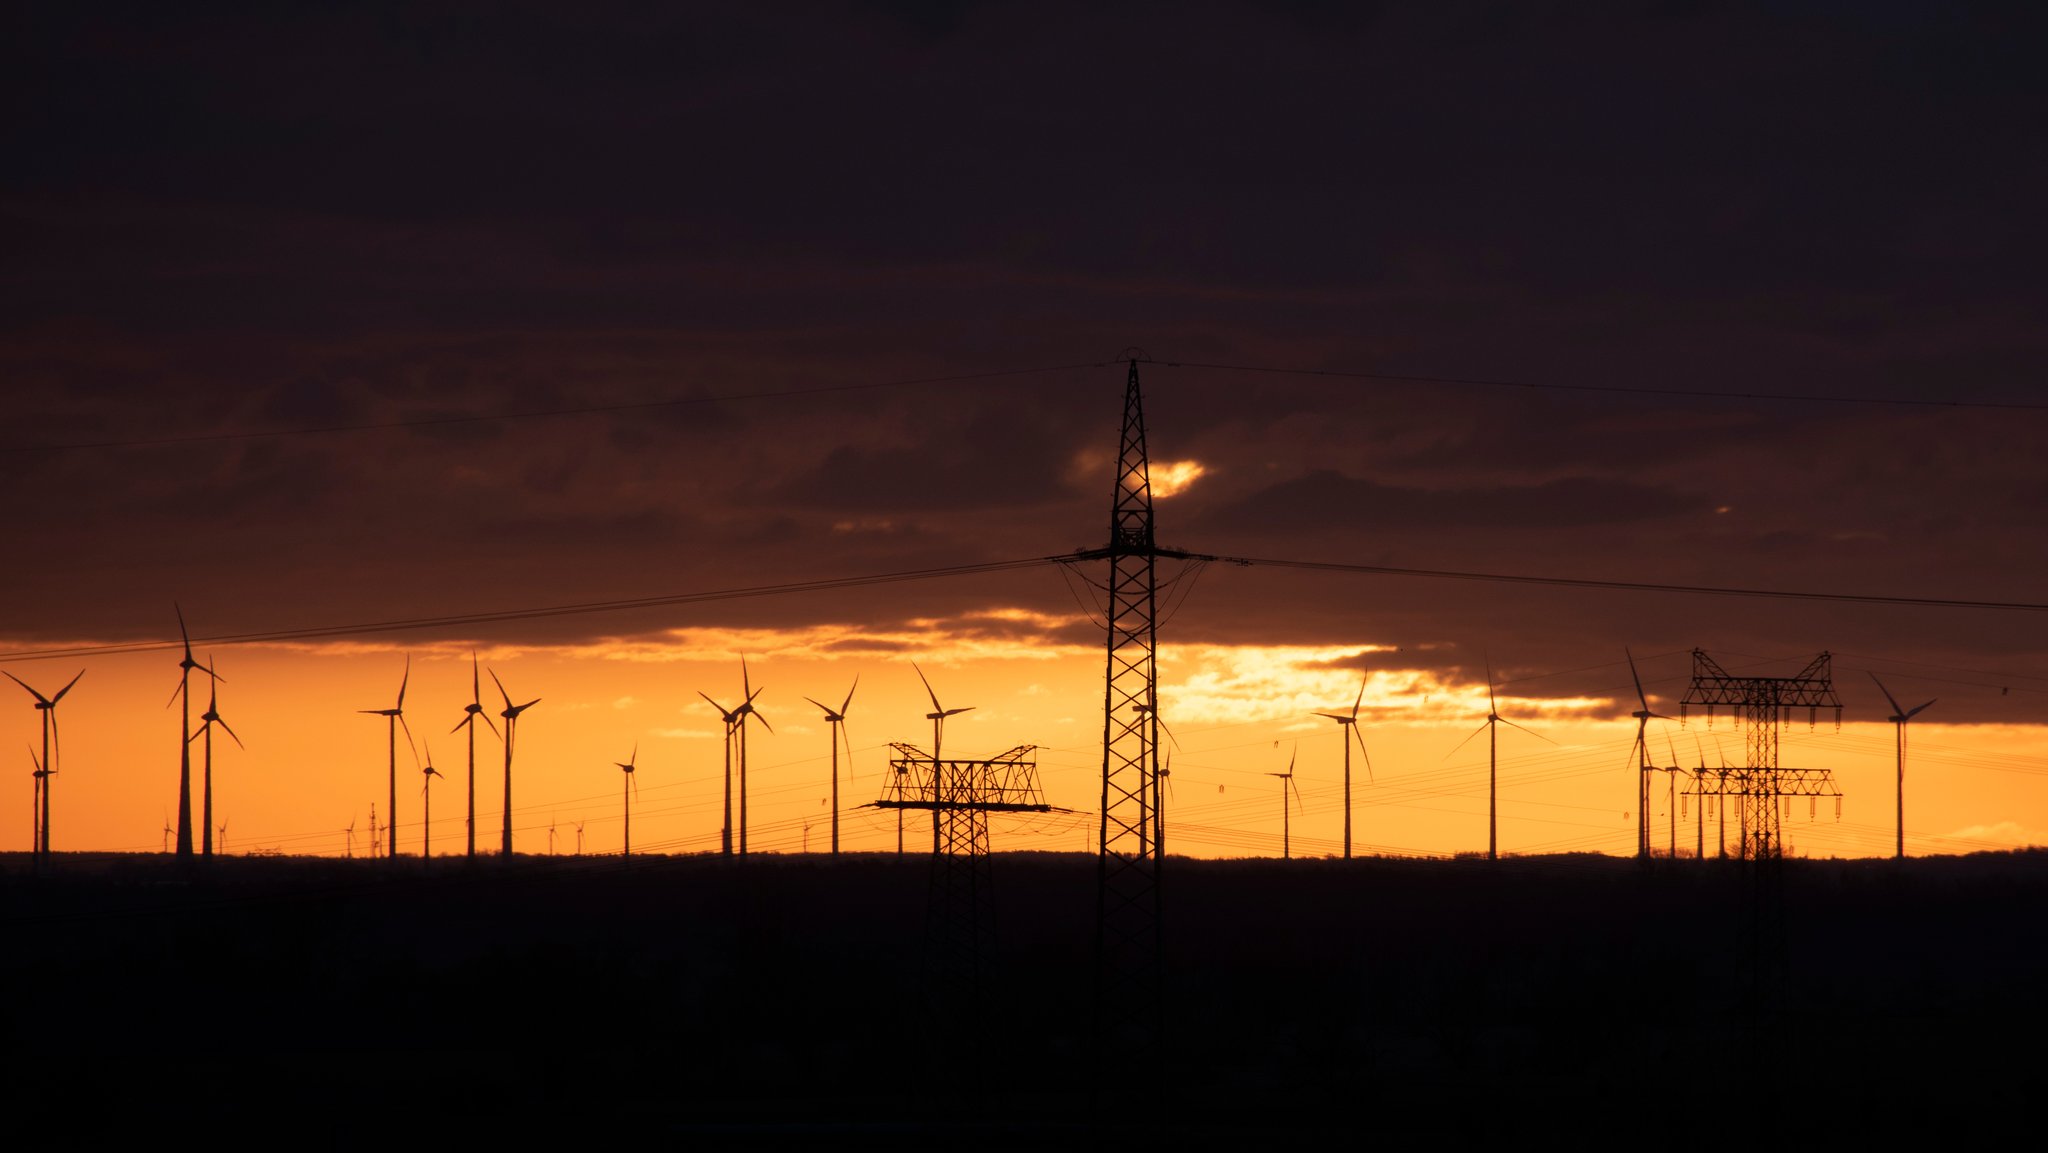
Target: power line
pixel 830 584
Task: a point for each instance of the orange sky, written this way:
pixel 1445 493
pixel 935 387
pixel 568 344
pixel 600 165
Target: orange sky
pixel 313 764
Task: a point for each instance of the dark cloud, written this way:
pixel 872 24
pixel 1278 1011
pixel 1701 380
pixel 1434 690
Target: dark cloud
pixel 233 220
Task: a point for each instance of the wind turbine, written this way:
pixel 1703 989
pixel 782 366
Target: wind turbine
pixel 184 692
pixel 1493 719
pixel 35 812
pixel 48 707
pixel 212 717
pixel 1641 753
pixel 427 773
pixel 1156 801
pixel 1349 723
pixel 395 718
pixel 223 838
pixel 1286 783
pixel 937 717
pixel 349 839
pixel 472 712
pixel 511 715
pixel 628 765
pixel 168 830
pixel 1898 719
pixel 736 737
pixel 836 721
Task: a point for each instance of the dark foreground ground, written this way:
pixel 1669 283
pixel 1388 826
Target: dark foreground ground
pixel 693 1001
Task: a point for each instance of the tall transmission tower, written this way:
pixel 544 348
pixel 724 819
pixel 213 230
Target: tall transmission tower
pixel 1760 703
pixel 1128 939
pixel 960 914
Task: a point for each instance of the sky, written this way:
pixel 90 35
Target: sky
pixel 318 320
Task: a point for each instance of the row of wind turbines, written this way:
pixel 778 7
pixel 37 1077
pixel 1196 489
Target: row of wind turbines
pixel 736 720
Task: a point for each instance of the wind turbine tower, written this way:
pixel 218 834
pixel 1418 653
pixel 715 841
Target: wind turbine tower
pixel 511 715
pixel 184 693
pixel 836 721
pixel 46 768
pixel 471 713
pixel 1493 718
pixel 394 718
pixel 628 766
pixel 1643 716
pixel 1286 828
pixel 937 717
pixel 1898 719
pixel 212 717
pixel 1349 723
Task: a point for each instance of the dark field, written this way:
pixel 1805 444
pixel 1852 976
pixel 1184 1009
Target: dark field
pixel 699 1001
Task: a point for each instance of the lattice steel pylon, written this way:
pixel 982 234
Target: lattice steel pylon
pixel 1128 945
pixel 1760 703
pixel 960 913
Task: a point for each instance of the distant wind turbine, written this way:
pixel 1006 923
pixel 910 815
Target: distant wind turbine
pixel 736 743
pixel 47 706
pixel 1898 719
pixel 1150 733
pixel 628 765
pixel 35 812
pixel 835 721
pixel 211 717
pixel 511 715
pixel 1493 719
pixel 168 830
pixel 473 712
pixel 1641 755
pixel 1348 722
pixel 184 692
pixel 1286 827
pixel 427 773
pixel 937 717
pixel 349 839
pixel 394 720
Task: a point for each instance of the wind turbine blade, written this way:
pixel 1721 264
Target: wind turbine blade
pixel 1637 678
pixel 400 718
pixel 764 720
pixel 174 692
pixel 954 712
pixel 1332 716
pixel 827 711
pixel 1361 697
pixel 501 688
pixel 848 702
pixel 1887 695
pixel 1362 752
pixel 182 634
pixel 1531 732
pixel 746 684
pixel 936 706
pixel 403 681
pixel 476 684
pixel 489 725
pixel 38 696
pixel 231 732
pixel 1910 713
pixel 527 705
pixel 708 701
pixel 1491 705
pixel 634 760
pixel 1468 737
pixel 467 718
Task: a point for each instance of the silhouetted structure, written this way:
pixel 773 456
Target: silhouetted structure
pixel 960 795
pixel 1128 927
pixel 46 767
pixel 1643 716
pixel 835 721
pixel 1898 719
pixel 1286 810
pixel 394 718
pixel 211 717
pixel 1489 727
pixel 1349 723
pixel 736 752
pixel 184 693
pixel 632 783
pixel 471 714
pixel 511 715
pixel 1759 704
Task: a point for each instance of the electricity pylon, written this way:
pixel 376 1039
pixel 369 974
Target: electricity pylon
pixel 1128 942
